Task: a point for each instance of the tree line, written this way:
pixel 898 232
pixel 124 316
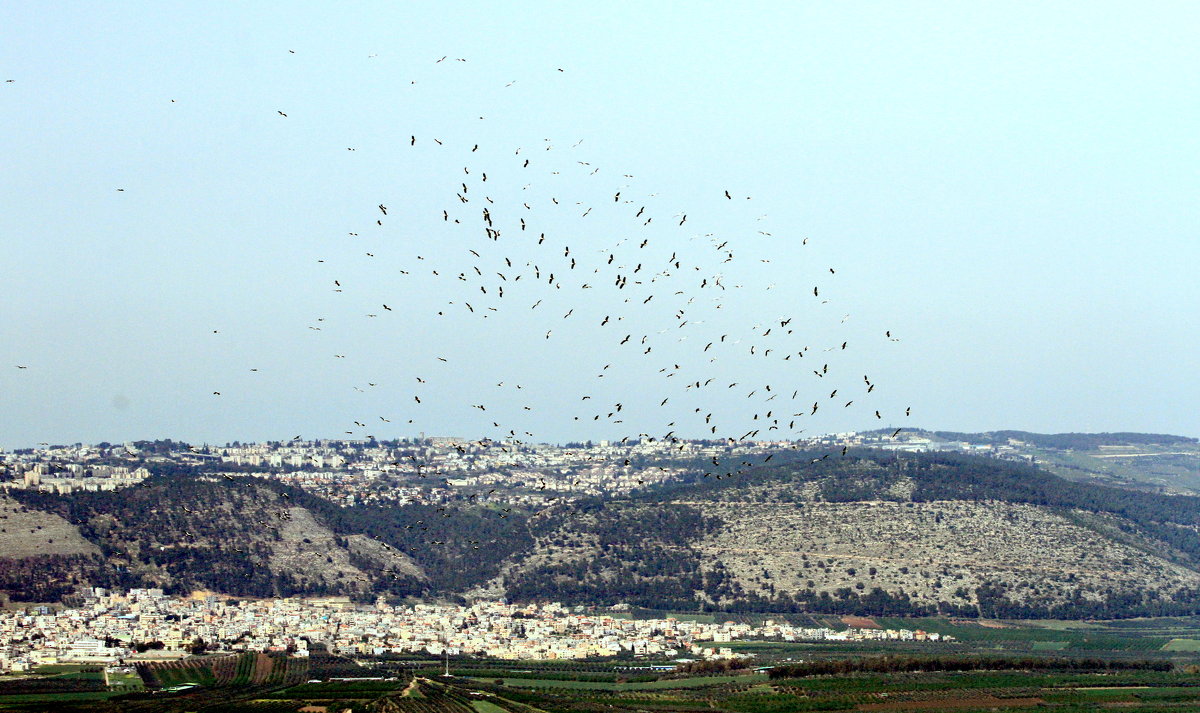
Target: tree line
pixel 901 664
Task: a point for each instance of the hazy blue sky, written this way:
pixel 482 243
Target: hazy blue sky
pixel 1009 188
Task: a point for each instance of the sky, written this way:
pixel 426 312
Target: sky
pixel 997 204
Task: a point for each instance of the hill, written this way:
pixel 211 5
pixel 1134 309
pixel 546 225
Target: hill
pixel 181 532
pixel 1068 441
pixel 873 533
pixel 1154 462
pixel 869 533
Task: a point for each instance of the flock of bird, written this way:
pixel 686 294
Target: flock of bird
pixel 519 252
pixel 630 288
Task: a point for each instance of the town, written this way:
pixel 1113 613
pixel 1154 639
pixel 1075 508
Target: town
pixel 146 625
pixel 433 469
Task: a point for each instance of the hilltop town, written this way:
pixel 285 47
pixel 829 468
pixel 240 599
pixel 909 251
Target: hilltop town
pixel 435 469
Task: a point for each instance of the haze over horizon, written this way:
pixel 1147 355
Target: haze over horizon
pixel 1008 191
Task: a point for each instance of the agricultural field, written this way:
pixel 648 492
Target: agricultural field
pixel 933 691
pixel 418 695
pixel 221 683
pixel 22 701
pixel 124 681
pixel 60 682
pixel 692 682
pixel 537 687
pixel 225 670
pixel 972 691
pixel 260 683
pixel 67 669
pixel 343 689
pixel 1132 636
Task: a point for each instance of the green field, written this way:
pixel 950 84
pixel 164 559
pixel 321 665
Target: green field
pixel 127 680
pixel 1068 691
pixel 40 697
pixel 1093 636
pixel 1143 691
pixel 1182 645
pixel 693 682
pixel 1125 635
pixel 192 674
pixel 1055 624
pixel 60 669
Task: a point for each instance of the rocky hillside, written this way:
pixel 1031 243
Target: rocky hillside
pixel 867 532
pixel 26 532
pixel 877 534
pixel 181 533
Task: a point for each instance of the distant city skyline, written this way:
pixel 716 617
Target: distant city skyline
pixel 221 227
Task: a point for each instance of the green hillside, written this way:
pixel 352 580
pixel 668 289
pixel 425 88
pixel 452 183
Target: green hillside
pixel 865 532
